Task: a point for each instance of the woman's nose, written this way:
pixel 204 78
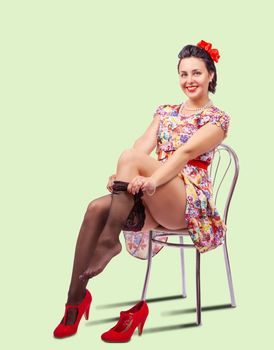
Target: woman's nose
pixel 189 79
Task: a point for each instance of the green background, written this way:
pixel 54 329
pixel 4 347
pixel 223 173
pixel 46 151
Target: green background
pixel 80 81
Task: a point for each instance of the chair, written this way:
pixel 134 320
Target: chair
pixel 162 231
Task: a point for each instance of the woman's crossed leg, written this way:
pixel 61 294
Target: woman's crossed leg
pixel 167 207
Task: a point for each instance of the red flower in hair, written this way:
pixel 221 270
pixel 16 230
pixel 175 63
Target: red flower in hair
pixel 214 53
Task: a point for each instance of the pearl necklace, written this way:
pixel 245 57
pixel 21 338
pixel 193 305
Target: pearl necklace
pixel 197 109
pixel 183 106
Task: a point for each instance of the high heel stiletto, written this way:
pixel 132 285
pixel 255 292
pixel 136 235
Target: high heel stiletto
pixel 129 320
pixel 63 330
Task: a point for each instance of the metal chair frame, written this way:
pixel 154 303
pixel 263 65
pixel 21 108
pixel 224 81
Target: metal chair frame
pixel 161 231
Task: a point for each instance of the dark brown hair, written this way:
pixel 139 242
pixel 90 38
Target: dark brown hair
pixel 196 51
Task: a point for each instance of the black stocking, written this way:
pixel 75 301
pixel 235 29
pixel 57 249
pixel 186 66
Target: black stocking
pixel 127 213
pixel 136 218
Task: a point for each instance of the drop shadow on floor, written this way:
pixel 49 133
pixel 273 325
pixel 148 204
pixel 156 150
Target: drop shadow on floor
pixel 130 304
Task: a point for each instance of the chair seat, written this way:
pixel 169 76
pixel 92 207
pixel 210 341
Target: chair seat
pixel 183 231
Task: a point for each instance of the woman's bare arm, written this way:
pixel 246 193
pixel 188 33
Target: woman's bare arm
pixel 205 139
pixel 148 141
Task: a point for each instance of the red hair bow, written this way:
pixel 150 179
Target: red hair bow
pixel 214 53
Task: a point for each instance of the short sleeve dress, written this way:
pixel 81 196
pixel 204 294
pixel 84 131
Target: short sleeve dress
pixel 205 226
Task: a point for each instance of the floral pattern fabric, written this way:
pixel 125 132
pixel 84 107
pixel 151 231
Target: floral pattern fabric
pixel 205 226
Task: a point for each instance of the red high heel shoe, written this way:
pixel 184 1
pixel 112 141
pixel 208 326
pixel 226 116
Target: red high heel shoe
pixel 63 330
pixel 129 320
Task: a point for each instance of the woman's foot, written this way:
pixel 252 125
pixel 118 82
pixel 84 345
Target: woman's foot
pixel 71 316
pixel 67 328
pixel 72 313
pixel 105 250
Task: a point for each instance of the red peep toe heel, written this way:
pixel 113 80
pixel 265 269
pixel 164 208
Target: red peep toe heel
pixel 63 330
pixel 129 320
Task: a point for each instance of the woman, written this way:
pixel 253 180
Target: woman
pixel 174 191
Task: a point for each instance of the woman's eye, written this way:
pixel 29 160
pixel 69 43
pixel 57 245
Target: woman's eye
pixel 197 73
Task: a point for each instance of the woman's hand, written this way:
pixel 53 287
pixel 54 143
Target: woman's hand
pixel 110 182
pixel 146 184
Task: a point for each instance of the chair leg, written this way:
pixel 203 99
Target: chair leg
pixel 183 267
pixel 149 260
pixel 198 288
pixel 229 275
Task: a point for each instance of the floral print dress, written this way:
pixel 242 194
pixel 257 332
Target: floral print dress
pixel 205 226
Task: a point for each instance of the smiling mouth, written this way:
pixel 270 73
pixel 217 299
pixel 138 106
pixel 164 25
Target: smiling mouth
pixel 191 88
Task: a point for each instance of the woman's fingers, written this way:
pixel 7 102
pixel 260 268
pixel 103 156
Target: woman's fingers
pixel 136 184
pixel 111 180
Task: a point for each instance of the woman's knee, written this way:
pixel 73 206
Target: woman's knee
pixel 98 206
pixel 128 155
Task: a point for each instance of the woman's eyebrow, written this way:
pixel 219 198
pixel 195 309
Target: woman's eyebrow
pixel 193 70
